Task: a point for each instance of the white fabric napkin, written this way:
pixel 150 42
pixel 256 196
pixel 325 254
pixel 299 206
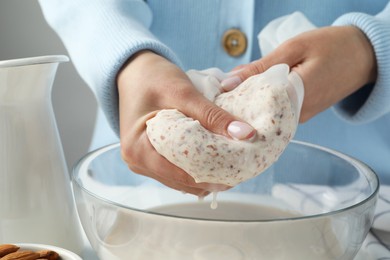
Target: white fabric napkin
pixel 377 243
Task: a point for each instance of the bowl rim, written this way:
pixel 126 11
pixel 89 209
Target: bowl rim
pixel 355 162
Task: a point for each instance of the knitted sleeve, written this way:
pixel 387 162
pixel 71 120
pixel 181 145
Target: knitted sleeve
pixel 370 102
pixel 100 36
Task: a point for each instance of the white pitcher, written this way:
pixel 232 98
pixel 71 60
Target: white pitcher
pixel 36 202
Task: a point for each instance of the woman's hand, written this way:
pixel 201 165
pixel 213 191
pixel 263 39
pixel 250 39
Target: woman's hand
pixel 149 83
pixel 333 62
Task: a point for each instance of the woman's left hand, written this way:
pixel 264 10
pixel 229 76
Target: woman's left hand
pixel 333 62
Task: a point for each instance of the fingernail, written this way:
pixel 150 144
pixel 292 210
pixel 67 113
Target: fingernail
pixel 240 131
pixel 230 83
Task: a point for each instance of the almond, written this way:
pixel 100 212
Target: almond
pixel 21 255
pixel 6 249
pixel 48 254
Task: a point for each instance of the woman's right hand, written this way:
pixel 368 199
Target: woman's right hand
pixel 149 83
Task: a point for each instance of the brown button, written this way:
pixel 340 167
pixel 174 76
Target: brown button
pixel 234 42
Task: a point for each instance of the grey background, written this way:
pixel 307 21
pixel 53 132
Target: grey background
pixel 25 33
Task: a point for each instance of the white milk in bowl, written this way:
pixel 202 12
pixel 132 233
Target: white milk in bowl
pixel 192 230
pixel 226 210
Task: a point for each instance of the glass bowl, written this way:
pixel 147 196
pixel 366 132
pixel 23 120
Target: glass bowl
pixel 313 203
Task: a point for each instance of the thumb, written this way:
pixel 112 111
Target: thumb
pixel 217 120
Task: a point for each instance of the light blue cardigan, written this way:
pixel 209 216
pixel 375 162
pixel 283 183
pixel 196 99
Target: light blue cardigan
pixel 101 35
